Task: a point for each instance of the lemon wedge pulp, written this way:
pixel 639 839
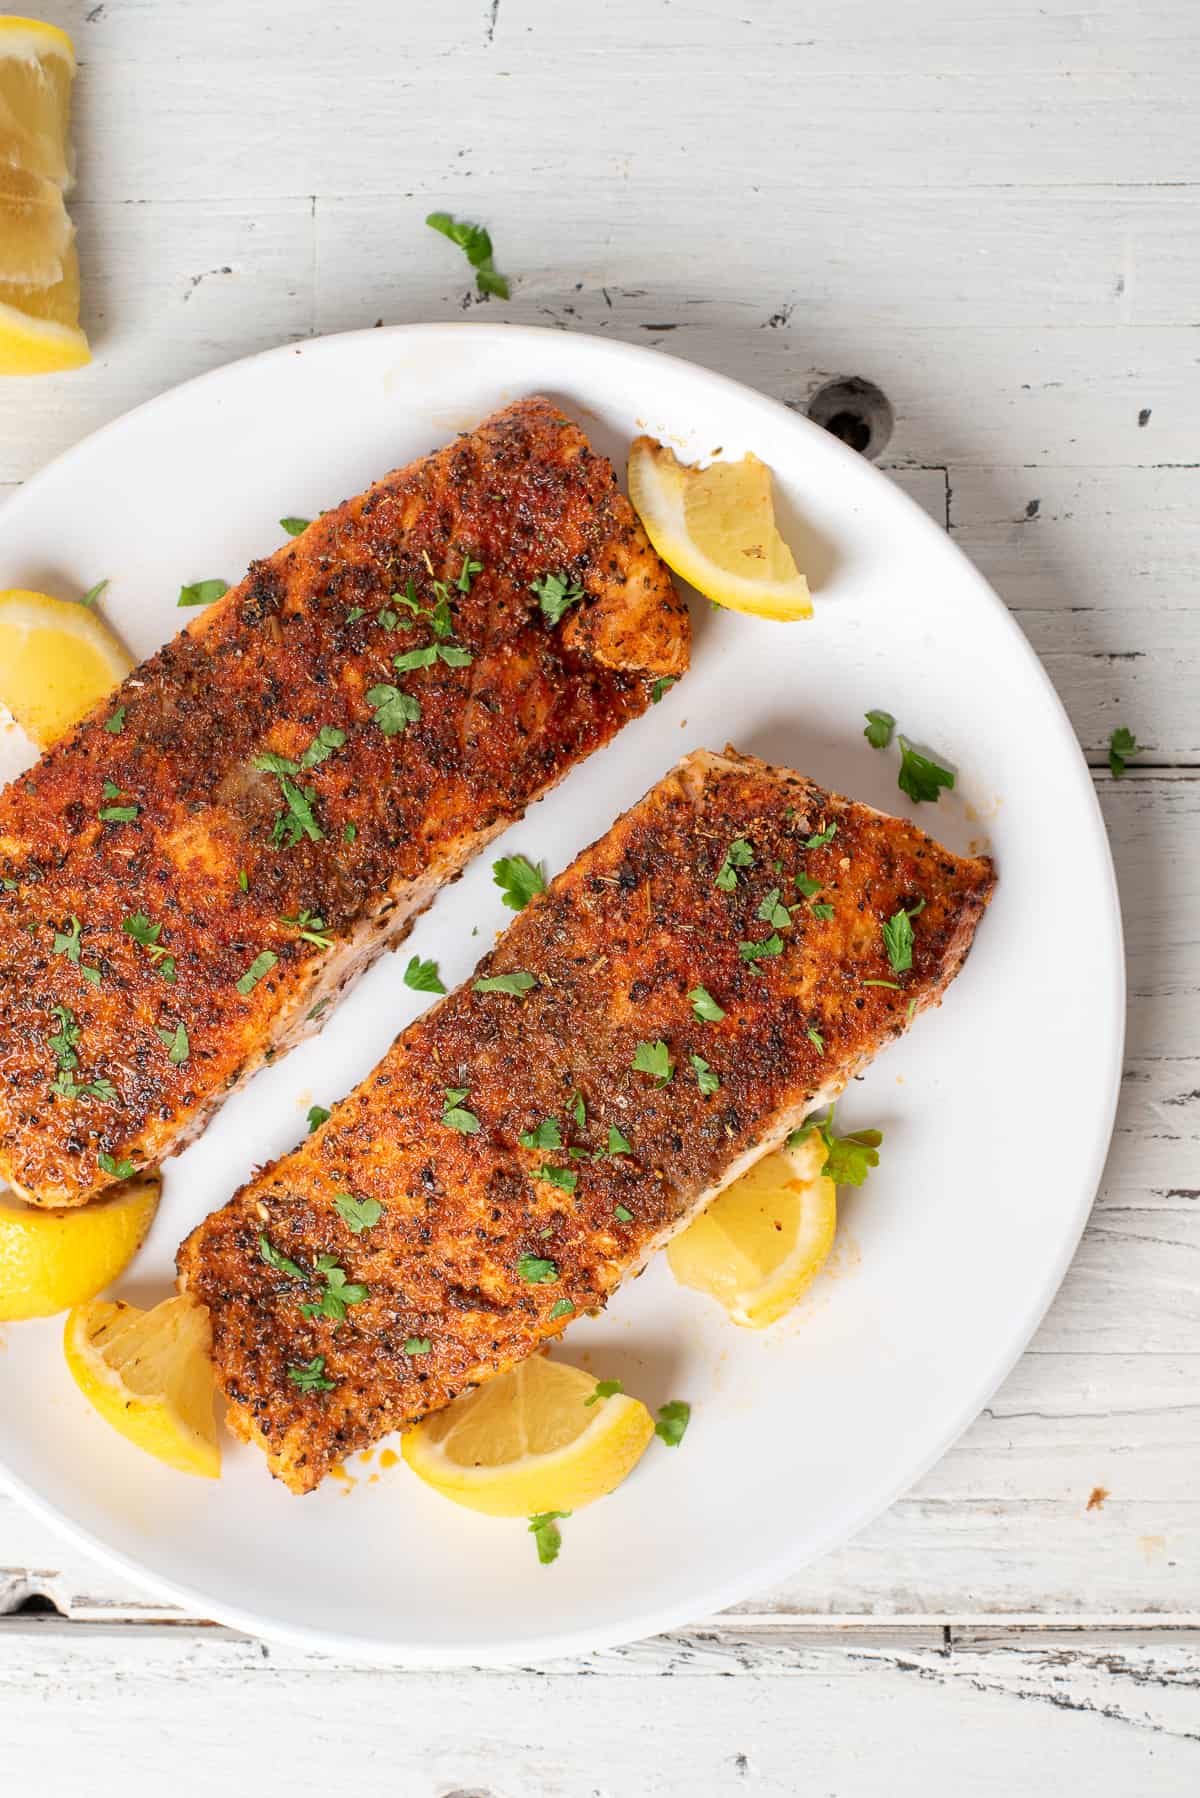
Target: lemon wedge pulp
pixel 149 1374
pixel 39 271
pixel 528 1441
pixel 716 528
pixel 57 660
pixel 762 1242
pixel 50 1260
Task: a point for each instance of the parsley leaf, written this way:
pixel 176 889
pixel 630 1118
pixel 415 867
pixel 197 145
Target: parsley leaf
pixel 417 1345
pixel 561 1308
pixel 822 837
pixel 738 855
pixel 563 1177
pixel 623 1213
pixel 476 244
pixel 547 1535
pixel 394 710
pixel 603 1389
pixel 65 1042
pixel 415 658
pixel 310 928
pixel 536 1271
pixel 807 885
pixel 654 1059
pixel 920 776
pixel 279 1261
pixel 618 1145
pixel 772 912
pixel 516 984
pixel 704 1006
pixel 706 1080
pixel 201 593
pixel 178 1047
pixel 327 739
pixel 455 1115
pixel 898 938
pixel 423 976
pixel 317 1115
pixel 93 593
pixel 467 573
pixel 556 593
pixel 673 1420
pixel 771 945
pixel 119 1170
pixel 816 1039
pixel 339 1293
pixel 310 1376
pixel 116 814
pixel 1121 745
pixel 824 911
pixel 662 685
pixel 547 1135
pixel 357 1214
pixel 880 726
pixel 114 724
pixel 262 964
pixel 294 526
pixel 67 942
pixel 579 1110
pixel 518 879
pixel 848 1159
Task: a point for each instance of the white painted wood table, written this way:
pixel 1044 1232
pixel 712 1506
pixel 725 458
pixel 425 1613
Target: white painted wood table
pixel 990 211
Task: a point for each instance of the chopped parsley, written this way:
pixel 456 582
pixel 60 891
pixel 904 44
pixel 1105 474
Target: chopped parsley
pixel 623 1214
pixel 453 654
pixel 67 942
pixel 618 1144
pixel 920 775
pixel 771 945
pixel 603 1389
pixel 63 1046
pixel 561 1308
pixel 327 739
pixel 423 976
pixel 243 880
pixel 704 1006
pixel 563 1177
pixel 738 855
pixel 654 1059
pixel 417 1345
pixel 176 1042
pixel 201 593
pixel 807 885
pixel 822 837
pixel 455 1115
pixel 318 1115
pixel 139 927
pixel 662 685
pixel 673 1420
pixel 518 879
pixel 823 910
pixel 476 245
pixel 339 1292
pixel 880 726
pixel 262 964
pixel 1121 745
pixel 546 1135
pixel 394 710
pixel 310 928
pixel 280 1262
pixel 536 1271
pixel 116 814
pixel 349 832
pixel 114 724
pixel 546 1534
pixel 579 1110
pixel 816 1039
pixel 467 573
pixel 119 1170
pixel 772 912
pixel 294 526
pixel 848 1159
pixel 706 1080
pixel 310 1376
pixel 515 984
pixel 556 593
pixel 357 1214
pixel 898 938
pixel 93 593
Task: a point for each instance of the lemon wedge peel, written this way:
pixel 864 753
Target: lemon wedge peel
pixel 527 1442
pixel 51 1260
pixel 39 270
pixel 58 660
pixel 149 1375
pixel 715 527
pixel 761 1243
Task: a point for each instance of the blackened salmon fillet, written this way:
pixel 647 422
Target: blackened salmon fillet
pixel 530 1140
pixel 193 875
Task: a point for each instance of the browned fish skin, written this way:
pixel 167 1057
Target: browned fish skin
pixel 294 649
pixel 617 943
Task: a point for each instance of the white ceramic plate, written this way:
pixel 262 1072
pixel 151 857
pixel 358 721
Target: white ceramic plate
pixel 946 1259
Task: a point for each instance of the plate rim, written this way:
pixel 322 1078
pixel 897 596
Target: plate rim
pixel 712 1596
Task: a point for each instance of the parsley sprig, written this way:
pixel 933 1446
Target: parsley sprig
pixel 556 593
pixel 518 879
pixel 476 245
pixel 848 1159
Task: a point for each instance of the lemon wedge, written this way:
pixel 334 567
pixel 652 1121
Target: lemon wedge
pixel 50 1260
pixel 57 660
pixel 716 528
pixel 149 1375
pixel 528 1441
pixel 762 1241
pixel 39 270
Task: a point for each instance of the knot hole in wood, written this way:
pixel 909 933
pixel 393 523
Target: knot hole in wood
pixel 856 411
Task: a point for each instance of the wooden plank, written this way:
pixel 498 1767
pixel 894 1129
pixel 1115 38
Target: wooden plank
pixel 1040 1714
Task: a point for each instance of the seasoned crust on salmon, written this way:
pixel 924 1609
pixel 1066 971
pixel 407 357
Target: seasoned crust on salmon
pixel 265 805
pixel 485 1247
